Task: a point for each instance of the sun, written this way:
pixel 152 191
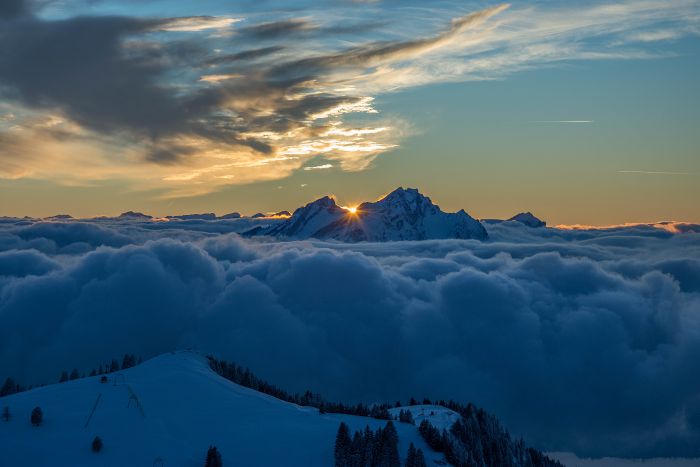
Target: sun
pixel 351 209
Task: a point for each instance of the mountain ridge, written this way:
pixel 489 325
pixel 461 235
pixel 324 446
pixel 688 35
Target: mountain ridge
pixel 403 214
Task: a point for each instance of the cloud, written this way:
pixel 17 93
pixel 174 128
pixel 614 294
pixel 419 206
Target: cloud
pixel 378 53
pixel 12 8
pixel 580 340
pixel 251 54
pixel 319 167
pixel 197 23
pixel 22 263
pixel 564 121
pixel 647 172
pixel 278 28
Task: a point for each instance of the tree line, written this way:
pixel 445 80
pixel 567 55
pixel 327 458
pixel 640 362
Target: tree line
pixel 10 387
pixel 477 439
pixel 367 448
pixel 244 377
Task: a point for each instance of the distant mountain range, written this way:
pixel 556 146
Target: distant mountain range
pixel 403 214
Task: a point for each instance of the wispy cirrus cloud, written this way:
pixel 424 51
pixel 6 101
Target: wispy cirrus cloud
pixel 653 172
pixel 197 23
pixel 319 167
pixel 563 121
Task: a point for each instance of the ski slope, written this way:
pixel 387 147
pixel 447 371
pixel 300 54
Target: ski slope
pixel 167 411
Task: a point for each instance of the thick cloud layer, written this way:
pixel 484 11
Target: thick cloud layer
pixel 584 341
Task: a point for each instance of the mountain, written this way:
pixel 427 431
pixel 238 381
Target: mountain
pixel 209 216
pixel 60 217
pixel 404 214
pixel 528 219
pixel 308 220
pixel 134 215
pixel 172 408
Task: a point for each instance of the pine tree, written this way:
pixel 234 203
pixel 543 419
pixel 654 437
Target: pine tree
pixel 74 374
pixel 411 456
pixel 420 459
pixel 128 361
pixel 342 446
pixel 8 388
pixel 37 416
pixel 64 377
pixel 6 416
pixel 97 444
pixel 213 458
pixel 389 451
pixel 405 416
pixel 355 458
pixel 368 445
pixel 114 366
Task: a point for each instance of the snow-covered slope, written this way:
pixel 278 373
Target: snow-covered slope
pixel 308 220
pixel 172 408
pixel 404 214
pixel 438 416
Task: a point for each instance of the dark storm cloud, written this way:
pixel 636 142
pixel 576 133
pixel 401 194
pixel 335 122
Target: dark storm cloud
pixel 580 340
pixel 78 65
pixel 12 8
pixel 82 68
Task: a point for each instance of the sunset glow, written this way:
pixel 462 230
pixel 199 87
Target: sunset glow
pixel 343 205
pixel 274 103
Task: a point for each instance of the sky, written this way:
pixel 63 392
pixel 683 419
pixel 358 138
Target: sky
pixel 581 112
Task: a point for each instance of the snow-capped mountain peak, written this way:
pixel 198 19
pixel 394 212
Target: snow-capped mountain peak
pixel 309 219
pixel 403 214
pixel 408 201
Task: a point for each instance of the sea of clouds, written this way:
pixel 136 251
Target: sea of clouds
pixel 585 341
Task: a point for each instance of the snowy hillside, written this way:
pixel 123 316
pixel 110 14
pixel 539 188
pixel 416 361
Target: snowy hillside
pixel 173 408
pixel 404 214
